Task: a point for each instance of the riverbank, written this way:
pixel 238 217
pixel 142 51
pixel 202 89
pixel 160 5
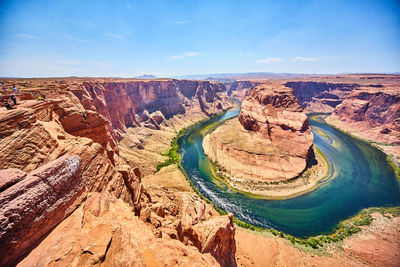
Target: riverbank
pixel 312 177
pixel 375 244
pixel 392 151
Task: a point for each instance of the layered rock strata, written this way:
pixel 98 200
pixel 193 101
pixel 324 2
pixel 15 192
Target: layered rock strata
pixel 33 206
pixel 372 113
pixel 320 96
pixel 240 89
pixel 105 232
pixel 270 140
pixel 82 121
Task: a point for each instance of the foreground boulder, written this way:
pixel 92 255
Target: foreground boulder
pixel 104 232
pixel 30 208
pixel 185 217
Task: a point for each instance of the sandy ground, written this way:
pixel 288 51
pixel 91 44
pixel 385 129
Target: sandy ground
pixel 377 245
pixel 143 147
pixel 170 177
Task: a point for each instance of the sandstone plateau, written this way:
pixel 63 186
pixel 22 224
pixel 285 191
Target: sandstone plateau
pixel 270 140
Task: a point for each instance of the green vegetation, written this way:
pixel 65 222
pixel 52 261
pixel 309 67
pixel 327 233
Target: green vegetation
pixel 172 154
pixel 344 229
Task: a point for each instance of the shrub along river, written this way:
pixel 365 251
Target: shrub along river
pixel 360 177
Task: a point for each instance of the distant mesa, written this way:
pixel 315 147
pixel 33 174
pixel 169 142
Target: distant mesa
pixel 146 76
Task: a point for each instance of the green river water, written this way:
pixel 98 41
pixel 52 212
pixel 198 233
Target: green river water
pixel 360 177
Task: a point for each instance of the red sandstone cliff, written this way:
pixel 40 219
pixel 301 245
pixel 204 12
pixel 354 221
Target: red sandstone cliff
pixel 67 144
pixel 320 96
pixel 372 113
pixel 127 104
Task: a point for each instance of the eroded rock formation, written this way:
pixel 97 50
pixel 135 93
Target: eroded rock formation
pixel 105 231
pixel 270 140
pixel 372 110
pixel 58 150
pixel 320 96
pixel 240 89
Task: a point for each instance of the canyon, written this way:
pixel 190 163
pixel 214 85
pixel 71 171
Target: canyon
pixel 366 106
pixel 78 158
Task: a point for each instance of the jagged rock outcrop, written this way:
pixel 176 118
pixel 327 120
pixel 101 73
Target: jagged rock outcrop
pixel 185 217
pixel 30 208
pixel 103 231
pixel 270 140
pixel 372 112
pixel 32 142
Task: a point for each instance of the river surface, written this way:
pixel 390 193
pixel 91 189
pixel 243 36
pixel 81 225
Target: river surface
pixel 359 177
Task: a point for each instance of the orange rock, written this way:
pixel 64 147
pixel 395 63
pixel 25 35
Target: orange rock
pixel 373 111
pixel 30 208
pixel 105 231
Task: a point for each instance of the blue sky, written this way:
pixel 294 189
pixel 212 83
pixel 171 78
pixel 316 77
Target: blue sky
pixel 132 37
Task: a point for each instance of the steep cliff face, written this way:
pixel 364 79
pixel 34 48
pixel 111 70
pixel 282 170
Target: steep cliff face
pixel 133 103
pixel 270 140
pixel 34 140
pixel 320 96
pixel 240 89
pixel 373 111
pixel 79 124
pixel 104 231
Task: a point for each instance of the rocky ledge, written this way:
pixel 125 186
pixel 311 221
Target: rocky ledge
pixel 270 141
pixel 372 112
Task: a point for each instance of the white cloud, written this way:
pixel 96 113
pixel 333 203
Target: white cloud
pixel 76 39
pixel 26 36
pixel 270 60
pixel 180 22
pixel 113 35
pixel 185 54
pixel 305 59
